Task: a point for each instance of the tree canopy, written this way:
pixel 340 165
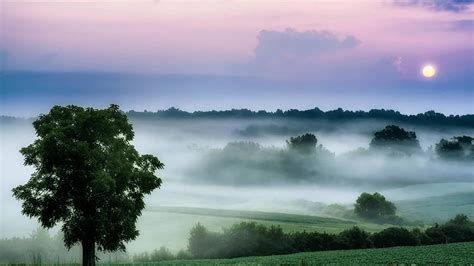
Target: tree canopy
pixel 88 177
pixel 305 143
pixel 461 147
pixel 395 140
pixel 374 206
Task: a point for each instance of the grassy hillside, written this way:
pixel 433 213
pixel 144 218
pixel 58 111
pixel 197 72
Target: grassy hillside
pixel 257 215
pixel 288 221
pixel 439 208
pixel 170 226
pixel 457 253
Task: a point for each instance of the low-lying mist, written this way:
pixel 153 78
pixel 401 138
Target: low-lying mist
pixel 247 164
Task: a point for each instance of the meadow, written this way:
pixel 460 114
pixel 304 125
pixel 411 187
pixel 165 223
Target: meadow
pixel 438 208
pixel 170 226
pixel 457 253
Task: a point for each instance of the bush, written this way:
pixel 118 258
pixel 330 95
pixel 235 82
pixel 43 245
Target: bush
pixel 248 239
pixel 204 244
pixel 392 237
pixel 459 229
pixel 354 238
pixel 162 254
pixel 184 255
pixel 313 241
pixel 251 239
pixel 421 237
pixel 141 257
pixel 436 235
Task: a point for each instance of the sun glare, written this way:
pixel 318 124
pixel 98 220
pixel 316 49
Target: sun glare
pixel 428 71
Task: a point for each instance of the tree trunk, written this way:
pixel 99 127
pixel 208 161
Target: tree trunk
pixel 88 253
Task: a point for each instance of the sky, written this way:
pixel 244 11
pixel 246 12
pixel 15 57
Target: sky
pixel 203 55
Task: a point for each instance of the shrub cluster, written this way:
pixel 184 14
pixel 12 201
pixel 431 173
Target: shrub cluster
pixel 161 254
pixel 42 248
pixel 251 239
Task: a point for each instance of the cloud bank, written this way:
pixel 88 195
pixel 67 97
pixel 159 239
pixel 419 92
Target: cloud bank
pixel 463 24
pixel 438 5
pixel 291 43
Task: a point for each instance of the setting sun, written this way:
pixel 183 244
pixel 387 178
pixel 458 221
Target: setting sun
pixel 428 71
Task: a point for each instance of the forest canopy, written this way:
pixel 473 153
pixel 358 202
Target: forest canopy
pixel 429 118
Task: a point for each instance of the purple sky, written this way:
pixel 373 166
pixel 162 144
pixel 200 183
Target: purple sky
pixel 321 49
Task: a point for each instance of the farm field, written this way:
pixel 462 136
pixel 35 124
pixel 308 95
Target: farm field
pixel 255 215
pixel 165 226
pixel 438 208
pixel 456 253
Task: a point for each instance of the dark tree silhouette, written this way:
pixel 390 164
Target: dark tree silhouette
pixel 430 118
pixel 392 237
pixel 202 243
pixel 305 143
pixel 88 177
pixel 374 206
pixel 251 239
pixel 457 148
pixel 395 140
pixel 353 238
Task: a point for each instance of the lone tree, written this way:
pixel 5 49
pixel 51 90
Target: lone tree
pixel 305 143
pixel 395 140
pixel 374 206
pixel 88 177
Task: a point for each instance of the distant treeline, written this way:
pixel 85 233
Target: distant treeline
pixel 427 118
pixel 251 239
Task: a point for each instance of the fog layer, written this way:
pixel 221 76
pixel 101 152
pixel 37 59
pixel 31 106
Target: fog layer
pixel 245 164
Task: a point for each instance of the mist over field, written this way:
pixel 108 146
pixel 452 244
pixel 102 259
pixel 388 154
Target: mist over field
pixel 260 132
pixel 245 164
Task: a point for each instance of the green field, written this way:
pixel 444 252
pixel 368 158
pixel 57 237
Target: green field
pixel 170 226
pixel 457 253
pixel 255 215
pixel 289 222
pixel 438 208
